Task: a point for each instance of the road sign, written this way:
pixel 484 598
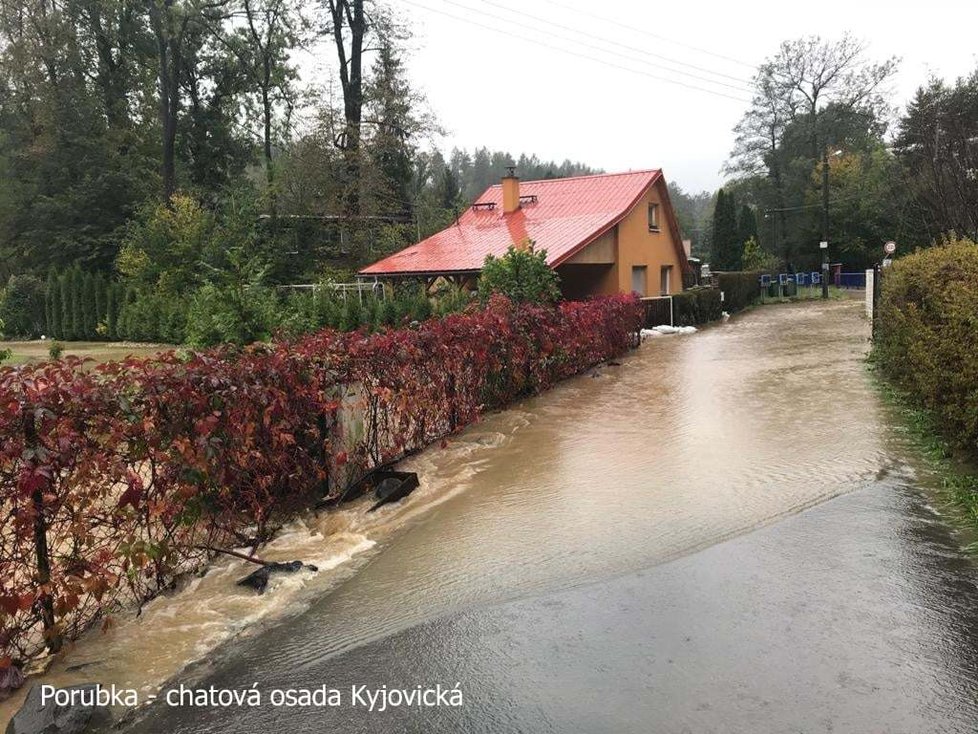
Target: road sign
pixel 890 247
pixel 823 245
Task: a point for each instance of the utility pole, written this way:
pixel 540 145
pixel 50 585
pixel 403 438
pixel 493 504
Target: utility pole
pixel 825 223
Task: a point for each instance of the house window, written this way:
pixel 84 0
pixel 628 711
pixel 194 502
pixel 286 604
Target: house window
pixel 653 217
pixel 639 279
pixel 665 280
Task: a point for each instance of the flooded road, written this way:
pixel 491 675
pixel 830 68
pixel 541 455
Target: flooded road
pixel 627 552
pixel 694 439
pixel 855 616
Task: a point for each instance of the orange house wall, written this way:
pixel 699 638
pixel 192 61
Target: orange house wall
pixel 636 246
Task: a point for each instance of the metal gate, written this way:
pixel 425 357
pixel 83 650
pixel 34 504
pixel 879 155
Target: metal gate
pixel 658 311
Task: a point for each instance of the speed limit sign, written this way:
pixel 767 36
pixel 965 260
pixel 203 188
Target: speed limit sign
pixel 890 247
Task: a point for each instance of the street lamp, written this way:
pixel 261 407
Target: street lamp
pixel 824 244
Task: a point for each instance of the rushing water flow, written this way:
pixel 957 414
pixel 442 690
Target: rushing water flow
pixel 691 441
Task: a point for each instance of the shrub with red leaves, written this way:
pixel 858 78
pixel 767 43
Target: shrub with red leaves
pixel 114 479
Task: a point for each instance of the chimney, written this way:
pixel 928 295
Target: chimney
pixel 511 191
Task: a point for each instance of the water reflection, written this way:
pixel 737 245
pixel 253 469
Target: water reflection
pixel 692 441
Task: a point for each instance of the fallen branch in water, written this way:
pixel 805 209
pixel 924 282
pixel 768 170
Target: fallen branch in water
pixel 232 553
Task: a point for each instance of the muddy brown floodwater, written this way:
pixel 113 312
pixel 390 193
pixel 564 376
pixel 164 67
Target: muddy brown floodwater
pixel 636 550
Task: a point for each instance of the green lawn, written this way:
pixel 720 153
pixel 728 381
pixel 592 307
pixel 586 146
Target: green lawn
pixel 37 351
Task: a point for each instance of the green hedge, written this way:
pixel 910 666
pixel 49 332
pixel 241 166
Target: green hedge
pixel 927 334
pixel 740 289
pixel 696 306
pixel 22 307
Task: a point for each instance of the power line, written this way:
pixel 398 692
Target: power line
pixel 511 34
pixel 811 206
pixel 650 34
pixel 576 41
pixel 743 84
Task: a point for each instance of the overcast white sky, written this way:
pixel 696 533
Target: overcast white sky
pixel 494 76
pixel 601 82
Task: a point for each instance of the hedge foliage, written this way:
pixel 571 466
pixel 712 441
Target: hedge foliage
pixel 75 305
pixel 701 305
pixel 696 306
pixel 127 473
pixel 22 307
pixel 927 334
pixel 740 289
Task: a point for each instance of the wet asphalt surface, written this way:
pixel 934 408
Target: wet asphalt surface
pixel 858 615
pixel 728 533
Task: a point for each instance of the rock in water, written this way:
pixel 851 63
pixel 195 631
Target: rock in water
pixel 33 718
pixel 258 579
pixel 394 488
pixel 387 487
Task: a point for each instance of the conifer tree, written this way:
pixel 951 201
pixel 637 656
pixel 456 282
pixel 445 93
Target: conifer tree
pixel 746 226
pixel 75 287
pixel 727 250
pixel 64 286
pixel 52 306
pixel 111 309
pixel 101 292
pixel 88 306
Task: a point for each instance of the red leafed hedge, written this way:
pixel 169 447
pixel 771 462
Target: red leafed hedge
pixel 115 479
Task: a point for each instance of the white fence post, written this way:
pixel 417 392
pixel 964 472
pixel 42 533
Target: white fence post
pixel 870 284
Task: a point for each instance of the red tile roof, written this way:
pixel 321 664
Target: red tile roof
pixel 568 214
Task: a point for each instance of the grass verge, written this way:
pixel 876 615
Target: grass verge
pixel 38 351
pixel 958 474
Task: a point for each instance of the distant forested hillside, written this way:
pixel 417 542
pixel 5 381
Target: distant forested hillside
pixel 474 172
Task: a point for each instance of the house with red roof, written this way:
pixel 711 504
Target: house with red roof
pixel 603 234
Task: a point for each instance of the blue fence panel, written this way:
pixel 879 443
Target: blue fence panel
pixel 852 280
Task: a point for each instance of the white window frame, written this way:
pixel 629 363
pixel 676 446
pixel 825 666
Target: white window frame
pixel 653 215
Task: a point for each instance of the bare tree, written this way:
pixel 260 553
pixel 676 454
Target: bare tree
pixel 810 73
pixel 804 80
pixel 760 135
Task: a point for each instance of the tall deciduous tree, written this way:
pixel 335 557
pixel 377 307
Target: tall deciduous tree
pixel 811 94
pixel 169 23
pixel 348 27
pixel 261 37
pixel 809 74
pixel 183 43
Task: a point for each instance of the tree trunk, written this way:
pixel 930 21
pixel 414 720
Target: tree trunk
pixel 350 13
pixel 169 92
pixel 267 120
pixel 45 601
